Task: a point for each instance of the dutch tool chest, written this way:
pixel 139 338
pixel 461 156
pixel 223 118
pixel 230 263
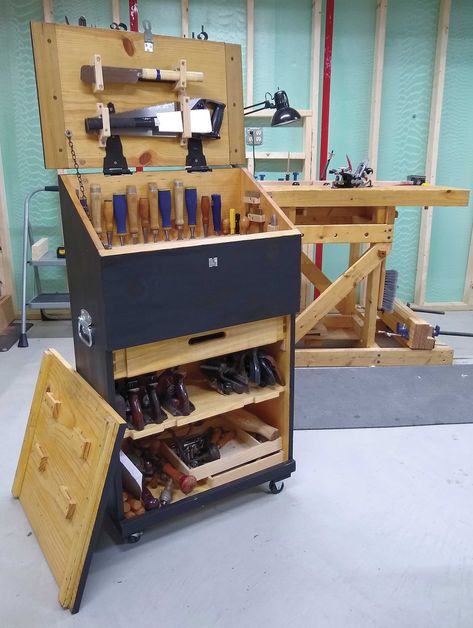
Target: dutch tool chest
pixel 183 389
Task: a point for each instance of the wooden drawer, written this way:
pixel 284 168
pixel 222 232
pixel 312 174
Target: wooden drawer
pixel 195 348
pixel 245 448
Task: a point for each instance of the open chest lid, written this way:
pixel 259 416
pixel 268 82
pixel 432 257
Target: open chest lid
pixel 66 100
pixel 65 471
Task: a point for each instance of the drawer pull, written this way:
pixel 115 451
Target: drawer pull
pixel 197 339
pixel 68 505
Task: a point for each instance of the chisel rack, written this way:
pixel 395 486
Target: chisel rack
pixel 144 307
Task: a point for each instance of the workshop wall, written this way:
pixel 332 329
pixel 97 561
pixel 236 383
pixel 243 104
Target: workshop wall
pixel 283 59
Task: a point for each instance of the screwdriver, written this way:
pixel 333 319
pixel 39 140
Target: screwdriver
pixel 205 210
pixel 96 208
pixel 232 221
pixel 143 208
pixel 191 205
pixel 108 216
pixel 153 210
pixel 119 211
pixel 132 207
pixel 164 200
pixel 217 213
pixel 179 207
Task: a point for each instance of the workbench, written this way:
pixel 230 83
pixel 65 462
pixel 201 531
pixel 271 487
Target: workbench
pixel 364 218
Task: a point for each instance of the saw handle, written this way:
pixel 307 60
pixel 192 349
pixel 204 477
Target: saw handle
pixel 217 111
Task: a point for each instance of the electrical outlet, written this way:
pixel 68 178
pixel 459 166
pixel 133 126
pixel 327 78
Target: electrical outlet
pixel 254 135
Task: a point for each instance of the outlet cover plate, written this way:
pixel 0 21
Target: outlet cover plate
pixel 254 133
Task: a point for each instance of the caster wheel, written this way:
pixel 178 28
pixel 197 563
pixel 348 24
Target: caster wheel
pixel 134 538
pixel 276 487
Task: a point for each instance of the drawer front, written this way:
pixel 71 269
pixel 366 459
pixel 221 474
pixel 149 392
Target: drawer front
pixel 195 348
pixel 163 294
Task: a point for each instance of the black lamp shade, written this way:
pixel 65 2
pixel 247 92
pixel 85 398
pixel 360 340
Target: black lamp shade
pixel 284 113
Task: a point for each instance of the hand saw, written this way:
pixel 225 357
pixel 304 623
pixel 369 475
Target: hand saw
pixel 165 120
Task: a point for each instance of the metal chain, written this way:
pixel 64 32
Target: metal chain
pixel 82 196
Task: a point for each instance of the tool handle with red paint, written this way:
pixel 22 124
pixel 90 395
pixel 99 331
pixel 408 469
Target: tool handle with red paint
pixel 205 210
pixel 186 483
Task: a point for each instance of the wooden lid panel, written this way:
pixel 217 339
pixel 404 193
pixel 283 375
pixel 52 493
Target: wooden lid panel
pixel 65 101
pixel 61 473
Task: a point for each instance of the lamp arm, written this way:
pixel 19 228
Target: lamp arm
pixel 266 105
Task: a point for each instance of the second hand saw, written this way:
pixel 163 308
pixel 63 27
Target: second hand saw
pixel 165 120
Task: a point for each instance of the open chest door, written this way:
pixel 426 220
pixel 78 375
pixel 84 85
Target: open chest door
pixel 65 470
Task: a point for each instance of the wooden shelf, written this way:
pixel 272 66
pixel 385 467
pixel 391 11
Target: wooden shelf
pixel 294 156
pixel 209 403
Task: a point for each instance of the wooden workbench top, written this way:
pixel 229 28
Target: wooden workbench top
pixel 383 193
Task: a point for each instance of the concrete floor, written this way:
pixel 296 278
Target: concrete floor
pixel 374 530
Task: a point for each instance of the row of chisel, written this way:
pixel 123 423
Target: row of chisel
pixel 132 209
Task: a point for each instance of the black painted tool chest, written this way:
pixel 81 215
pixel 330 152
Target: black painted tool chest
pixel 143 307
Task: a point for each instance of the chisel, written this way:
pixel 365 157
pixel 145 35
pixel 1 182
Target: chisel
pixel 237 224
pixel 164 201
pixel 191 205
pixel 119 212
pixel 232 221
pixel 108 216
pixel 217 213
pixel 96 208
pixel 205 210
pixel 179 208
pixel 132 208
pixel 153 210
pixel 143 208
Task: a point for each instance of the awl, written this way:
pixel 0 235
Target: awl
pixel 133 75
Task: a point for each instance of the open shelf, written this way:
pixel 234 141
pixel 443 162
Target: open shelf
pixel 209 403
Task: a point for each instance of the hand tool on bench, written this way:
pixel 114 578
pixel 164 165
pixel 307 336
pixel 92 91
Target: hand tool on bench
pixel 205 210
pixel 119 212
pixel 217 213
pixel 186 483
pixel 191 206
pixel 133 75
pixel 135 409
pixel 165 207
pixel 244 225
pixel 173 394
pixel 153 210
pixel 108 217
pixel 143 208
pixel 232 221
pixel 132 208
pixel 237 223
pixel 179 208
pixel 165 120
pixel 157 413
pixel 166 494
pixel 96 207
pixel 249 422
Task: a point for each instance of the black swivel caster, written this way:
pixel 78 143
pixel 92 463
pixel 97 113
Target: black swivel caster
pixel 134 538
pixel 276 487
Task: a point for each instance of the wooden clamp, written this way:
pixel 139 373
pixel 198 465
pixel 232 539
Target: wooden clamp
pixel 97 64
pixel 180 87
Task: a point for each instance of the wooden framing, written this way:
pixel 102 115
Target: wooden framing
pixel 432 147
pixel 377 82
pixel 250 46
pixel 185 18
pixel 48 10
pixel 360 217
pixel 6 266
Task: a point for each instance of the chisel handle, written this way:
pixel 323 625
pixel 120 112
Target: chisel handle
pixel 108 217
pixel 143 208
pixel 132 207
pixel 153 205
pixel 179 203
pixel 164 201
pixel 232 221
pixel 191 205
pixel 205 210
pixel 96 207
pixel 119 212
pixel 217 213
